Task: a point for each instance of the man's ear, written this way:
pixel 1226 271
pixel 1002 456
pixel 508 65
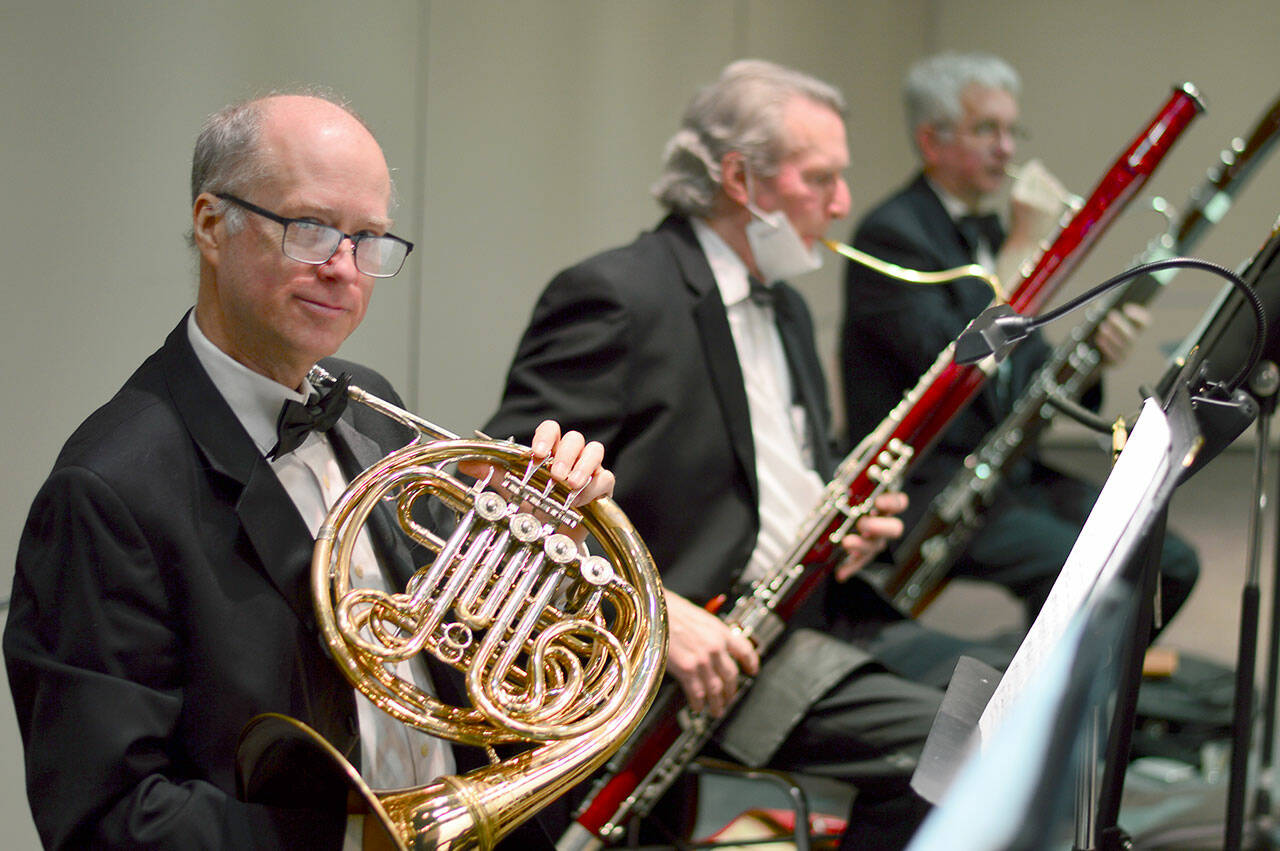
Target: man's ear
pixel 733 177
pixel 205 215
pixel 929 139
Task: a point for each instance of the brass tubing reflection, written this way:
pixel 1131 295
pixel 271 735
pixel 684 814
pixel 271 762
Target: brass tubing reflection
pixel 914 276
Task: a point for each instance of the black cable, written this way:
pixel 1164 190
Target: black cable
pixel 1259 314
pixel 1078 412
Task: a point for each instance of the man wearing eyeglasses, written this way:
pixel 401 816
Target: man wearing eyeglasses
pixel 161 594
pixel 963 116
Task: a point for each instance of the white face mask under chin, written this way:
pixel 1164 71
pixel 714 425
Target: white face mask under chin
pixel 778 250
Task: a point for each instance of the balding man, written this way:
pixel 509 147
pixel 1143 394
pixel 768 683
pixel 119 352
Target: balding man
pixel 160 600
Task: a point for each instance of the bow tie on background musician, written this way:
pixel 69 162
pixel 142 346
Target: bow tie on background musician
pixel 761 293
pixel 981 229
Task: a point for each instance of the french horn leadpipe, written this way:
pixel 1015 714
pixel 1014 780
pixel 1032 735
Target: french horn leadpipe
pixel 561 649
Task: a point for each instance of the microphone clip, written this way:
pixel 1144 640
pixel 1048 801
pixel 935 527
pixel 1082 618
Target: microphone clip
pixel 994 331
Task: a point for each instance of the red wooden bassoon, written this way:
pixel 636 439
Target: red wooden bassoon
pixel 671 735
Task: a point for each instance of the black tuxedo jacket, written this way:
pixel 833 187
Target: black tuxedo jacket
pixel 632 347
pixel 161 601
pixel 893 331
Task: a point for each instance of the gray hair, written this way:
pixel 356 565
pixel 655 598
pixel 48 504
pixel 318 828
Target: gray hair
pixel 227 156
pixel 741 111
pixel 934 85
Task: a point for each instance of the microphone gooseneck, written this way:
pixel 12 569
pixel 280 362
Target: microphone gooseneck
pixel 997 329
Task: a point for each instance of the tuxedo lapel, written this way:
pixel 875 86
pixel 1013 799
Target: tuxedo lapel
pixel 955 251
pixel 716 338
pixel 939 225
pixel 270 519
pixel 280 537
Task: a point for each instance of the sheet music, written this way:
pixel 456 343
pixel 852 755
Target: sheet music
pixel 1008 771
pixel 1107 537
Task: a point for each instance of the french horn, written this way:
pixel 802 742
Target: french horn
pixel 561 649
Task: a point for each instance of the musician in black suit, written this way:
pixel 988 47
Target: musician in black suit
pixel 712 404
pixel 962 111
pixel 161 595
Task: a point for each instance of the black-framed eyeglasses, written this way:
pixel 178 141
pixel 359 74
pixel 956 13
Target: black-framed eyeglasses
pixel 377 255
pixel 990 130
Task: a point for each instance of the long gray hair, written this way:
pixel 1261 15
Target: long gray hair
pixel 741 111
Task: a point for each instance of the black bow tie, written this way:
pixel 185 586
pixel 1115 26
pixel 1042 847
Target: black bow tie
pixel 984 227
pixel 320 412
pixel 761 293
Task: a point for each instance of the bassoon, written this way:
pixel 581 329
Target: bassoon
pixel 923 559
pixel 672 735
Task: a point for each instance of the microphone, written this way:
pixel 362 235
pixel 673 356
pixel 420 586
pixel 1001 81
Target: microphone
pixel 1222 410
pixel 999 328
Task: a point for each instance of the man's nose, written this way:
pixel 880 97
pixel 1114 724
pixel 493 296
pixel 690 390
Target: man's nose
pixel 841 201
pixel 1006 142
pixel 343 262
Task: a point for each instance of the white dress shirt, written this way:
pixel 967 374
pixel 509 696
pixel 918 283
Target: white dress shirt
pixel 393 755
pixel 789 486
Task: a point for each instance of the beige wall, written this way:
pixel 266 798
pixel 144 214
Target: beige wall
pixel 524 136
pixel 543 134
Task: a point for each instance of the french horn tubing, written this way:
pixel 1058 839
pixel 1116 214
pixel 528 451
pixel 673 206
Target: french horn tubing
pixel 561 649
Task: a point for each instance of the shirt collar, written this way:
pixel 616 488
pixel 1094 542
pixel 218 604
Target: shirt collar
pixel 255 399
pixel 954 206
pixel 726 266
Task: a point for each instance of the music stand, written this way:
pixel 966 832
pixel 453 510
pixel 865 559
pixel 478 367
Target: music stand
pixel 1214 350
pixel 1067 668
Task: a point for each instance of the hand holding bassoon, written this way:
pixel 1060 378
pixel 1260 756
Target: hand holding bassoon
pixel 707 656
pixel 875 531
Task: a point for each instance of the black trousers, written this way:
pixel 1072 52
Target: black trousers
pixel 869 729
pixel 1030 531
